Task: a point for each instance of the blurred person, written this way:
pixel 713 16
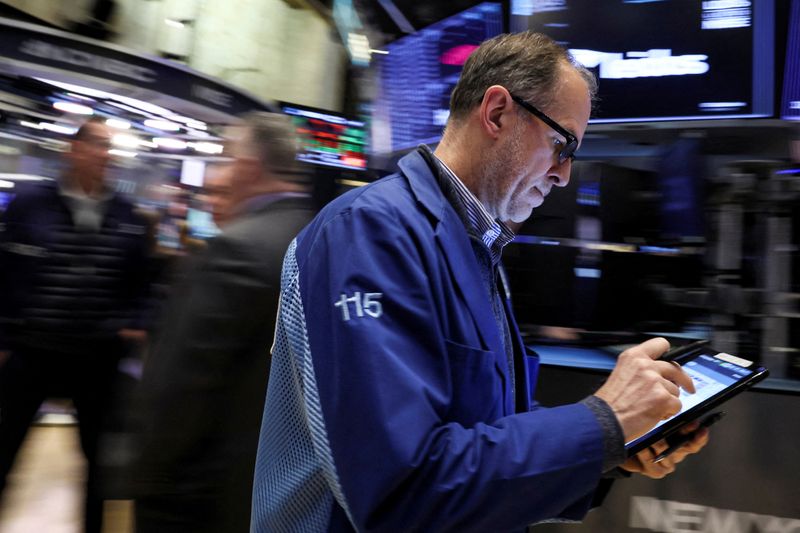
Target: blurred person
pixel 205 380
pixel 73 283
pixel 400 396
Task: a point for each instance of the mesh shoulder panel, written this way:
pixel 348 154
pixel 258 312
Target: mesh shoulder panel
pixel 296 485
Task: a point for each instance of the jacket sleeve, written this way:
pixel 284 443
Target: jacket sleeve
pixel 385 376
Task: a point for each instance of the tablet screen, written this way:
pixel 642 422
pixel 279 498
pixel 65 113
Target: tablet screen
pixel 711 376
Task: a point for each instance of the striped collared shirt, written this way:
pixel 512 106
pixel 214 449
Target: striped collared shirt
pixel 494 234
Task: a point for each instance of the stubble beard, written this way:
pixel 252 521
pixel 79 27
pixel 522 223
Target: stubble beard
pixel 499 171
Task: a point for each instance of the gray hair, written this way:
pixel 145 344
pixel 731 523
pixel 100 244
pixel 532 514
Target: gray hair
pixel 270 137
pixel 527 64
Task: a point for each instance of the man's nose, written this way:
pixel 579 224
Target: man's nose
pixel 559 173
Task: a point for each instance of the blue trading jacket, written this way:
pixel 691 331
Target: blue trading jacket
pixel 389 406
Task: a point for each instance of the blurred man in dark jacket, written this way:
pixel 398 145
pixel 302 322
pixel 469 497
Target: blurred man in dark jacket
pixel 205 381
pixel 73 281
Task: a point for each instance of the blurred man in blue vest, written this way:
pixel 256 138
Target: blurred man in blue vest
pixel 73 283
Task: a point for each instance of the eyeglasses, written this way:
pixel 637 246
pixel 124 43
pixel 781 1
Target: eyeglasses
pixel 568 152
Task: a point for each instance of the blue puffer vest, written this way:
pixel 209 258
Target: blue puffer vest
pixel 63 288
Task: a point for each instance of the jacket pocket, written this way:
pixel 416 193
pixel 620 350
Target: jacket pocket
pixel 477 385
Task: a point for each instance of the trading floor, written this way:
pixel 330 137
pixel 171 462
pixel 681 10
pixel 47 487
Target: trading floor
pixel 44 491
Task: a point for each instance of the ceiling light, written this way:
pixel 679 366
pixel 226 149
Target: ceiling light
pixel 163 125
pixel 206 148
pixel 126 141
pixel 197 125
pixel 71 107
pixel 198 133
pixel 58 128
pixel 118 123
pixel 4 184
pixel 169 143
pixel 33 125
pixel 174 23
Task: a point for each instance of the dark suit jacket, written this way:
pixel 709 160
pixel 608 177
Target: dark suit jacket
pixel 205 381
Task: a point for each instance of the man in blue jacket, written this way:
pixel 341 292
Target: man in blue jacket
pixel 400 394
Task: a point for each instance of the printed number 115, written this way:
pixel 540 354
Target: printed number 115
pixel 363 304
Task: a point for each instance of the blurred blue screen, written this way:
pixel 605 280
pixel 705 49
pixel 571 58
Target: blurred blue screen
pixel 420 70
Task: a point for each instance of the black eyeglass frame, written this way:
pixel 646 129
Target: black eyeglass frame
pixel 568 152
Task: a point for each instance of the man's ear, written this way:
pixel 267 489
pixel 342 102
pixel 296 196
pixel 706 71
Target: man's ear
pixel 494 109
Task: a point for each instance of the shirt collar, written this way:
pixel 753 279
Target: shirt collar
pixel 494 234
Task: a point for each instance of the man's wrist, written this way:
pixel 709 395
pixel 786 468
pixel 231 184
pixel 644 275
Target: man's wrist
pixel 613 437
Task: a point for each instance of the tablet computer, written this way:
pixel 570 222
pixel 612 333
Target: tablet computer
pixel 717 378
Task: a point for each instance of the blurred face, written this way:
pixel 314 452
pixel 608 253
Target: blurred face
pixel 89 156
pixel 218 192
pixel 524 166
pixel 245 170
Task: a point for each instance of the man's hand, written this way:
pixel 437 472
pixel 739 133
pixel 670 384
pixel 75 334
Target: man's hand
pixel 642 391
pixel 4 355
pixel 643 463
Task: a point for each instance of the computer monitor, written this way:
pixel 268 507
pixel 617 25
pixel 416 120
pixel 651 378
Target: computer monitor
pixel 596 253
pixel 790 109
pixel 666 59
pixel 329 139
pixel 419 73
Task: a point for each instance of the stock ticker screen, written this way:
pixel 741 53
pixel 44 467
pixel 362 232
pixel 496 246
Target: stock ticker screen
pixel 791 82
pixel 328 139
pixel 419 73
pixel 666 59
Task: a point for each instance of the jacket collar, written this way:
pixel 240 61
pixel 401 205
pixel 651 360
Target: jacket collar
pixel 419 168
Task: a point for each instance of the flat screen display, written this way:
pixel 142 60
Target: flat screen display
pixel 419 73
pixel 666 59
pixel 192 172
pixel 328 139
pixel 5 199
pixel 791 82
pixel 201 223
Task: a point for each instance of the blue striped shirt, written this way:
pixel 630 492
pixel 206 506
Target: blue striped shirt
pixel 494 234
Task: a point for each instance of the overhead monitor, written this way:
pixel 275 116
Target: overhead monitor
pixel 329 139
pixel 791 82
pixel 419 73
pixel 666 59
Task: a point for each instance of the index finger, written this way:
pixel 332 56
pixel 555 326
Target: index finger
pixel 676 374
pixel 655 347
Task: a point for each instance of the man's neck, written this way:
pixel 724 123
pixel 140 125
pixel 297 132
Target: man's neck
pixel 463 159
pixel 73 184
